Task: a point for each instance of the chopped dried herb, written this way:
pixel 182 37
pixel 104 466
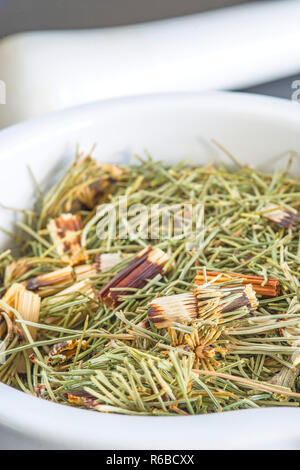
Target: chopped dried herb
pixel 149 325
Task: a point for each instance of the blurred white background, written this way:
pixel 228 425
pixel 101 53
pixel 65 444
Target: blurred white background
pixel 27 15
pixel 213 44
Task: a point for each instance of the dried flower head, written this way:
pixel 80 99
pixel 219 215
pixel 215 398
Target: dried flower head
pixel 200 342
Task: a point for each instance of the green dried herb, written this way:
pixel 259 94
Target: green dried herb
pixel 112 357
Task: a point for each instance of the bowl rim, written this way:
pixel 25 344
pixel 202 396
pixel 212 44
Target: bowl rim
pixel 256 102
pixel 70 427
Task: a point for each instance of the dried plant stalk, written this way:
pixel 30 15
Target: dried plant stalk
pixel 280 215
pixel 113 171
pixel 103 263
pixel 208 302
pixel 146 265
pixel 85 271
pixel 66 349
pixel 10 297
pixel 90 195
pixel 6 327
pixel 81 398
pixel 107 261
pixel 64 233
pixel 2 326
pixel 271 288
pixel 15 270
pixel 61 278
pixel 248 383
pixel 214 301
pixel 286 378
pixel 28 305
pixel 83 287
pixel 178 308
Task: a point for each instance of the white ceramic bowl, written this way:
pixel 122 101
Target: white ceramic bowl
pixel 258 131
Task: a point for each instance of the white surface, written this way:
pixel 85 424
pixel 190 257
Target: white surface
pixel 257 130
pixel 231 48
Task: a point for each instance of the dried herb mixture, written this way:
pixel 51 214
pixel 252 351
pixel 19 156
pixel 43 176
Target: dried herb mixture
pixel 141 325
